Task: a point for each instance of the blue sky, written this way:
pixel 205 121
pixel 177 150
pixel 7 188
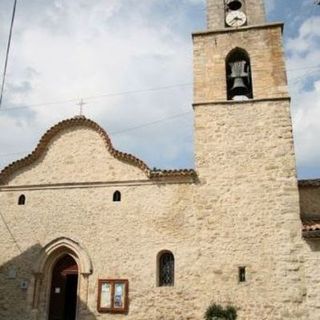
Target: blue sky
pixel 114 53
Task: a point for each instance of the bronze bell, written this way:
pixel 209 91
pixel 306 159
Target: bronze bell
pixel 239 88
pixel 238 74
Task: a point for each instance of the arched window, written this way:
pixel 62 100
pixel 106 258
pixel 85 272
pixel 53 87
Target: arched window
pixel 238 71
pixel 165 269
pixel 22 200
pixel 117 196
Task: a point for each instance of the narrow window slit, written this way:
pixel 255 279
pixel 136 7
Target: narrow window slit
pixel 242 274
pixel 117 196
pixel 22 200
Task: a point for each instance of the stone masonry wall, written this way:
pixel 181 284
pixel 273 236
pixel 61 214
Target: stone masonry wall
pixel 248 187
pixel 246 166
pixel 122 240
pixel 241 213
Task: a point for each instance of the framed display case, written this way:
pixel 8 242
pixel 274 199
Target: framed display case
pixel 113 296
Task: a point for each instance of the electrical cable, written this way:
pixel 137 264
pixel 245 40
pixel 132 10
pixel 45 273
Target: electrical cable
pixel 151 123
pixel 100 96
pixel 110 95
pixel 10 232
pixel 160 120
pixel 7 52
pixel 114 133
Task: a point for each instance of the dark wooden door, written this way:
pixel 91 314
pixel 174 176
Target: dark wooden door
pixel 63 294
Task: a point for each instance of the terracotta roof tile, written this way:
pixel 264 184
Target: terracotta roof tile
pixel 311 228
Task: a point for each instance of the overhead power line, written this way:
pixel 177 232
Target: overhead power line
pixel 140 91
pixel 7 52
pixel 10 232
pixel 110 95
pixel 114 133
pixel 99 96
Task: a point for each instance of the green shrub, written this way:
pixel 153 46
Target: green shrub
pixel 216 312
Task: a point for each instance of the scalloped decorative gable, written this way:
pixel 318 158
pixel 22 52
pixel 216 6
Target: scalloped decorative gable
pixel 74 151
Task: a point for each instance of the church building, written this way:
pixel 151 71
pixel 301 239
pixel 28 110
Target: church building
pixel 89 232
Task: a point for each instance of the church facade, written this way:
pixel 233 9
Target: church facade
pixel 88 232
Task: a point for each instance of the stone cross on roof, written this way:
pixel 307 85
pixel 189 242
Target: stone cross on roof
pixel 81 104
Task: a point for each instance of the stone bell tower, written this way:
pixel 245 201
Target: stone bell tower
pixel 245 161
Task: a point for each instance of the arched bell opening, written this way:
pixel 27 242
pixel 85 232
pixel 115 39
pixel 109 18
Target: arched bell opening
pixel 238 75
pixel 64 289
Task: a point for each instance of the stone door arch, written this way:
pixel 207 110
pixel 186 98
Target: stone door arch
pixel 43 267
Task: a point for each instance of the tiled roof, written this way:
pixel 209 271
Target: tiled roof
pixel 311 225
pixel 81 121
pixel 311 228
pixel 309 183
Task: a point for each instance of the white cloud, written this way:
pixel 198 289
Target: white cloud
pixel 306 41
pixel 63 50
pixel 304 57
pixel 74 49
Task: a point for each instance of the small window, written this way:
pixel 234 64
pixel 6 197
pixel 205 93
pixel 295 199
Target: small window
pixel 117 196
pixel 22 200
pixel 166 269
pixel 242 274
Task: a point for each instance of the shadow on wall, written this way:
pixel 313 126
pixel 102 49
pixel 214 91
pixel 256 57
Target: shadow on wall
pixel 314 245
pixel 25 294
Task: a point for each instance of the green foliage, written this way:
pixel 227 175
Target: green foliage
pixel 216 312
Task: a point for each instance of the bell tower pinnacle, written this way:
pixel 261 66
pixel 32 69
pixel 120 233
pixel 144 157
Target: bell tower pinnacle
pixel 240 12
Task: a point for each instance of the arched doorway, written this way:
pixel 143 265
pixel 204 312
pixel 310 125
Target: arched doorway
pixel 63 290
pixel 49 257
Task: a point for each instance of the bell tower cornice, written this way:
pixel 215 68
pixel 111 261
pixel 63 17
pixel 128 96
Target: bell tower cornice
pixel 245 28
